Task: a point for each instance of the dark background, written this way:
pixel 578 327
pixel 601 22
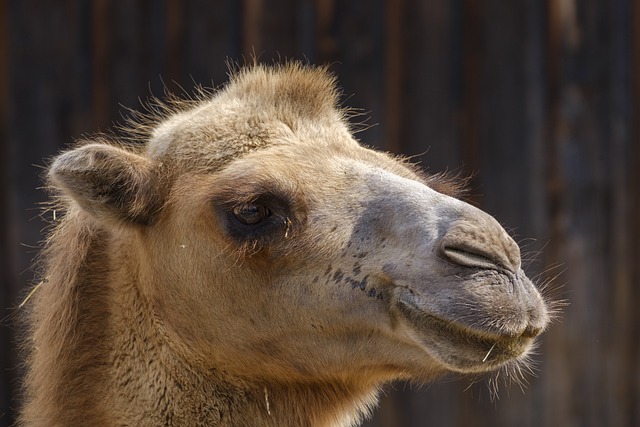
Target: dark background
pixel 539 100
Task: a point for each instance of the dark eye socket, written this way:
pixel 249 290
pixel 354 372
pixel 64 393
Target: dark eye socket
pixel 251 213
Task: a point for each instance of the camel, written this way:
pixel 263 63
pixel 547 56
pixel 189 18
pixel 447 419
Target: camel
pixel 247 262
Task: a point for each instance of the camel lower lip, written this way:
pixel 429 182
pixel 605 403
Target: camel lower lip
pixel 461 347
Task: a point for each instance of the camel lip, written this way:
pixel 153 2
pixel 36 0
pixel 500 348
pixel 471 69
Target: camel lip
pixel 461 347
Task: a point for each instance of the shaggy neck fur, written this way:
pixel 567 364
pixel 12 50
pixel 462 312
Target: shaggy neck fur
pixel 85 370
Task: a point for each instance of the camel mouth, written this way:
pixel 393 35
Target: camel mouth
pixel 461 347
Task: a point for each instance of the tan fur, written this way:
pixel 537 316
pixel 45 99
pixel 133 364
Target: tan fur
pixel 159 306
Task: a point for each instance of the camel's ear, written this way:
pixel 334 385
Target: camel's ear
pixel 109 182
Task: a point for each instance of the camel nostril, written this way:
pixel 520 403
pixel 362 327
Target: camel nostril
pixel 479 241
pixel 468 257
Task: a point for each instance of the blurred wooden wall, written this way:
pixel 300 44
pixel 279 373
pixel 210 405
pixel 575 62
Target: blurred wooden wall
pixel 539 100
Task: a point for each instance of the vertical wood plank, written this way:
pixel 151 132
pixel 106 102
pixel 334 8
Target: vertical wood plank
pixel 175 22
pixel 306 30
pixel 621 389
pixel 428 129
pixel 100 59
pixel 134 70
pixel 251 25
pixel 535 133
pixel 532 231
pixel 8 287
pixel 326 43
pixel 278 30
pixel 394 75
pixel 555 340
pixel 355 48
pixel 501 138
pixel 634 211
pixel 472 51
pixel 210 37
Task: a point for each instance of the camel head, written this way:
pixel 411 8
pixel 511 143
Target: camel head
pixel 273 247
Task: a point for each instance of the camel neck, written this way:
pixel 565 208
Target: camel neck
pixel 105 358
pixel 159 387
pixel 161 383
pixel 69 337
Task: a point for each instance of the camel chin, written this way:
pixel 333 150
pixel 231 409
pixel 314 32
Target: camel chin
pixel 465 345
pixel 461 348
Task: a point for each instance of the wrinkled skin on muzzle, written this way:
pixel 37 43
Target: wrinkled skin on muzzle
pixel 458 285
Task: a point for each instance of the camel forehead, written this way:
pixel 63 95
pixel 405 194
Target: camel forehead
pixel 258 108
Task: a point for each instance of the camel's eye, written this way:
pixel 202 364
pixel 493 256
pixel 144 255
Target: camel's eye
pixel 258 219
pixel 251 213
